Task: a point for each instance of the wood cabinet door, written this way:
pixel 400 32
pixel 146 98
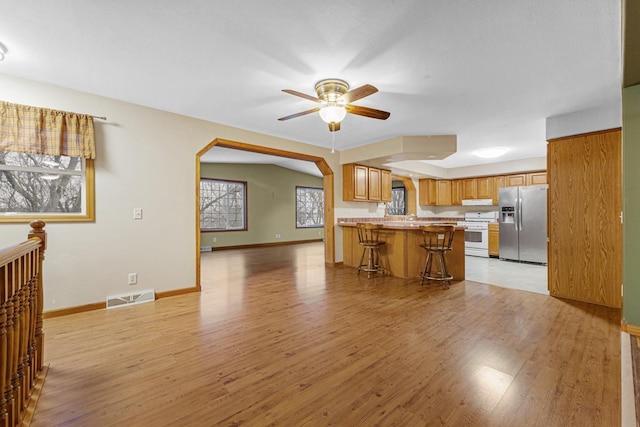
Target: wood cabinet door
pixel 456 192
pixel 516 180
pixel 494 240
pixel 374 184
pixel 361 182
pixel 443 192
pixel 498 182
pixel 385 185
pixel 469 188
pixel 584 228
pixel 427 195
pixel 537 178
pixel 484 187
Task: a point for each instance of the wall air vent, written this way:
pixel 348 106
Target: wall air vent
pixel 132 298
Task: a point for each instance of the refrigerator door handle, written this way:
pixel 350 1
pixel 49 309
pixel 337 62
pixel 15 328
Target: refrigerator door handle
pixel 519 214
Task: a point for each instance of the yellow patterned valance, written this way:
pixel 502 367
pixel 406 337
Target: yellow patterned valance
pixel 34 130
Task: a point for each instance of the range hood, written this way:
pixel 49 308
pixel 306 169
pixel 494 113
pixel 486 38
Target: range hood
pixel 477 202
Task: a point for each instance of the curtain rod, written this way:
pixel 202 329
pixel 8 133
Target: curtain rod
pixel 99 117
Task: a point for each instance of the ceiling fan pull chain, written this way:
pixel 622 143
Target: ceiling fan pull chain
pixel 333 143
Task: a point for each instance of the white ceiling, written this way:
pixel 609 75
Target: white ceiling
pixel 488 71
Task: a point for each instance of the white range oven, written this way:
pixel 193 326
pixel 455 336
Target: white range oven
pixel 476 236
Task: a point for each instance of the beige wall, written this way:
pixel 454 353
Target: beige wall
pixel 146 159
pixel 631 205
pixel 271 204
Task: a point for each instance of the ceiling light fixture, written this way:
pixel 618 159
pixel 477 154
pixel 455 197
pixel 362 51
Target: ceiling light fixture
pixel 489 153
pixel 333 113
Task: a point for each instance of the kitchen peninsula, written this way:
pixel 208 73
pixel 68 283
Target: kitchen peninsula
pixel 401 254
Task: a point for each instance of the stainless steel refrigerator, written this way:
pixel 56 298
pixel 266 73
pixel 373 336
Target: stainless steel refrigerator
pixel 523 223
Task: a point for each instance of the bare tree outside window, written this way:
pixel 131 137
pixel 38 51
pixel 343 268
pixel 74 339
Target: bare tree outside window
pixel 397 206
pixel 309 207
pixel 222 204
pixel 34 183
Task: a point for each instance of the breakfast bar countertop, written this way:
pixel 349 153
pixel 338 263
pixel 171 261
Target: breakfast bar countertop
pixel 402 225
pixel 401 254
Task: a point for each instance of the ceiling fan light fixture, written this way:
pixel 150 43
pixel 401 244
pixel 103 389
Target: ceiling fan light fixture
pixel 333 113
pixel 489 153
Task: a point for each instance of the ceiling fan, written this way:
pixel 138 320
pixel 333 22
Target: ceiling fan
pixel 335 99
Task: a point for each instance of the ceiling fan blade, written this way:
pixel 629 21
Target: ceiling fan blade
pixel 358 93
pixel 334 126
pixel 302 95
pixel 367 112
pixel 302 113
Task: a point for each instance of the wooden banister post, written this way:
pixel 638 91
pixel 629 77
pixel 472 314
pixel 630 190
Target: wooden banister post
pixel 37 231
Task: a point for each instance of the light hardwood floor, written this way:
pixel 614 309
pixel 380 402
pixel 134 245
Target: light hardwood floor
pixel 277 338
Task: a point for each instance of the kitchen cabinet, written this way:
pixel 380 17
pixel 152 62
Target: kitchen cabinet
pixel 498 182
pixel 494 240
pixel 456 192
pixel 443 192
pixel 537 178
pixel 428 192
pixel 385 185
pixel 355 182
pixel 365 184
pixel 484 187
pixel 435 192
pixel 374 184
pixel 469 188
pixel 516 180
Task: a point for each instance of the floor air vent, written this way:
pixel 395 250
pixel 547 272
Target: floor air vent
pixel 132 298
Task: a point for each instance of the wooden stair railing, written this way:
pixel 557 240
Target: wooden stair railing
pixel 21 335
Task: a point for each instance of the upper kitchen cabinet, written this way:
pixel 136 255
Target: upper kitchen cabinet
pixel 435 192
pixel 456 192
pixel 443 192
pixel 355 182
pixel 498 182
pixel 469 188
pixel 375 188
pixel 537 178
pixel 385 185
pixel 516 180
pixel 532 178
pixel 427 192
pixel 365 184
pixel 484 187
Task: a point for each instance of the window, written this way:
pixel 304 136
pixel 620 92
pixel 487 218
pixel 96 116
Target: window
pixel 397 205
pixel 223 205
pixel 49 187
pixel 309 207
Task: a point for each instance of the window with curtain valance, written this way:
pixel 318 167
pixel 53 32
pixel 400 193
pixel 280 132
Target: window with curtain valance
pixel 46 164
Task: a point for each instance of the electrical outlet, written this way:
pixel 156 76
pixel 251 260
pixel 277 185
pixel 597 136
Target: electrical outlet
pixel 215 239
pixel 137 213
pixel 133 278
pixel 277 235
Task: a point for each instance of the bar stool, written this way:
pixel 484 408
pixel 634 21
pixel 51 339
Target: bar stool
pixel 369 239
pixel 437 240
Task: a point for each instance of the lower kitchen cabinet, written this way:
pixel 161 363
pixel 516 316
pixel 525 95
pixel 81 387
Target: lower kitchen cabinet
pixel 494 240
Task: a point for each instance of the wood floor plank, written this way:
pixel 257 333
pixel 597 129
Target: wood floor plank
pixel 277 338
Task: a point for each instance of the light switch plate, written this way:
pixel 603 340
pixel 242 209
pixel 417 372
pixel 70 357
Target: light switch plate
pixel 137 213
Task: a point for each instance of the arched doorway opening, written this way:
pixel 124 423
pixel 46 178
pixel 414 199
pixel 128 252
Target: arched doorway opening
pixel 321 164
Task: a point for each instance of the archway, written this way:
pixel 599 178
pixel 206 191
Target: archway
pixel 323 167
